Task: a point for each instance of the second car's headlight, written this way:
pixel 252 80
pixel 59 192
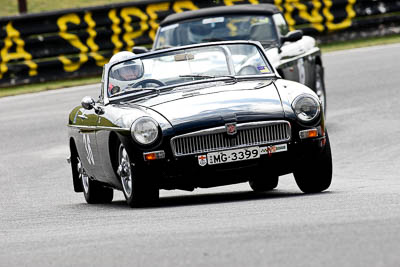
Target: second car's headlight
pixel 145 130
pixel 307 108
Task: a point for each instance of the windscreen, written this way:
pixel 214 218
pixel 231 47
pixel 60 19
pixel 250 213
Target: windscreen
pixel 256 28
pixel 186 65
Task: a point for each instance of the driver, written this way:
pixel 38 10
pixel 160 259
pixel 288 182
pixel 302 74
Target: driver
pixel 127 70
pixel 124 71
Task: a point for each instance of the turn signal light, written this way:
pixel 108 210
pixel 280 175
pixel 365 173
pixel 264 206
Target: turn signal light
pixel 154 155
pixel 308 133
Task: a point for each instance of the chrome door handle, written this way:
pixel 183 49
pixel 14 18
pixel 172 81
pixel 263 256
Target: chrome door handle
pixel 83 117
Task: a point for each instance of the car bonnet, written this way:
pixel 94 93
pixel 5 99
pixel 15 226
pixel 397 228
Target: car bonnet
pixel 240 102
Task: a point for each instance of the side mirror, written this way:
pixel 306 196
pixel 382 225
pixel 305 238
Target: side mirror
pixel 88 103
pixel 292 36
pixel 139 49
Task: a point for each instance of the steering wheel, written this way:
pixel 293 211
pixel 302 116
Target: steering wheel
pixel 248 70
pixel 143 83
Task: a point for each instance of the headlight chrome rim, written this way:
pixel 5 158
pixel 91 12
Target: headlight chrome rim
pixel 302 98
pixel 139 136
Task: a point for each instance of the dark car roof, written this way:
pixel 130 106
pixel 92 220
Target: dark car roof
pixel 260 9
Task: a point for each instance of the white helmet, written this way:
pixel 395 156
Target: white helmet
pixel 127 71
pixel 121 56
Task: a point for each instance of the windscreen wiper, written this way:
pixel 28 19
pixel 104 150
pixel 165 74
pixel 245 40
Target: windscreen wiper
pixel 197 76
pixel 137 91
pixel 208 76
pixel 213 40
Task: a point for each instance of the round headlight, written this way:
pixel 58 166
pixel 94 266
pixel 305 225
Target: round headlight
pixel 306 108
pixel 145 130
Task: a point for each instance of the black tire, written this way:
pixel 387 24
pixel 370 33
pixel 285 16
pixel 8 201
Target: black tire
pixel 264 184
pixel 77 183
pixel 138 189
pixel 314 173
pixel 319 86
pixel 93 192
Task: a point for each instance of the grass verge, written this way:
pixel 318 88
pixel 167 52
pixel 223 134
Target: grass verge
pixel 38 87
pixel 334 46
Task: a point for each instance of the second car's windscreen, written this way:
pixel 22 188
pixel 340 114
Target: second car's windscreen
pixel 257 28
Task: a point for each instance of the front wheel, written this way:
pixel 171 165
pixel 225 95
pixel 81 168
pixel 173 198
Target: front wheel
pixel 93 192
pixel 138 189
pixel 313 174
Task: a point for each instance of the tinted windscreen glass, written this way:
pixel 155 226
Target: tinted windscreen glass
pixel 257 28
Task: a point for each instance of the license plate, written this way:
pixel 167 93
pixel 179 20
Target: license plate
pixel 233 155
pixel 239 154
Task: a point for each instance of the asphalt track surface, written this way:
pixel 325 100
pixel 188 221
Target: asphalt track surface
pixel 355 223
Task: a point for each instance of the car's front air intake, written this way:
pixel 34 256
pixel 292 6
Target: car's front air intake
pixel 215 139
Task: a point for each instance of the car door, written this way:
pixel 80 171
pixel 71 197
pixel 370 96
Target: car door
pixel 105 126
pixel 86 120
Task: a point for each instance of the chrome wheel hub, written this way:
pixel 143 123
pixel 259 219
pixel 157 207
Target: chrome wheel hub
pixel 125 171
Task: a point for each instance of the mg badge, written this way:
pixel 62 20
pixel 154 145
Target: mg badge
pixel 202 160
pixel 231 128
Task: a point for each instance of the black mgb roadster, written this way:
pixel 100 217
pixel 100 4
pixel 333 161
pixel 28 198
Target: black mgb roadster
pixel 196 116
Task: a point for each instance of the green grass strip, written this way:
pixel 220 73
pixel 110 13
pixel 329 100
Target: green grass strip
pixel 365 42
pixel 44 86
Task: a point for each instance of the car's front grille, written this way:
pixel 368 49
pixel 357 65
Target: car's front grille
pixel 215 139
